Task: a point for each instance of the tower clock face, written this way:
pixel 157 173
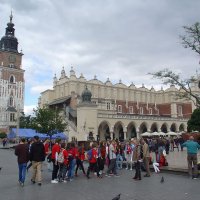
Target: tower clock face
pixel 12 58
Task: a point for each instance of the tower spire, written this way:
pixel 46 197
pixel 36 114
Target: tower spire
pixel 11 16
pixel 9 42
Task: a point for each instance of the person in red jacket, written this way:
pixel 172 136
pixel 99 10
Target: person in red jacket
pixel 54 157
pixel 73 154
pixel 93 161
pixel 63 165
pixel 80 159
pixel 47 152
pixel 101 156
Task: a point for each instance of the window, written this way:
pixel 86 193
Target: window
pixel 150 111
pixel 180 111
pixel 12 79
pixel 11 65
pixel 141 110
pixel 11 103
pixel 119 108
pixel 108 106
pixel 12 117
pixel 131 109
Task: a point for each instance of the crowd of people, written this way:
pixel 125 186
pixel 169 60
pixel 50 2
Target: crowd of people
pixel 104 158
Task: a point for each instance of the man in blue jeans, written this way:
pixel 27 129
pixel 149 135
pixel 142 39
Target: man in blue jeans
pixel 22 153
pixel 192 148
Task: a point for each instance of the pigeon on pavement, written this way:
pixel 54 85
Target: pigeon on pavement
pixel 162 180
pixel 117 197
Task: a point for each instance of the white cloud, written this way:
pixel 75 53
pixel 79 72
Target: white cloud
pixel 40 88
pixel 28 110
pixel 110 38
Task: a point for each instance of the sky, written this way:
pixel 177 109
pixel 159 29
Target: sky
pixel 115 39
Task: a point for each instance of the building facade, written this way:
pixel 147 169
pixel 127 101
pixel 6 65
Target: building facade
pixel 115 110
pixel 11 79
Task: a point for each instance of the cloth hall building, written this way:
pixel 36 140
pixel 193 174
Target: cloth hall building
pixel 96 109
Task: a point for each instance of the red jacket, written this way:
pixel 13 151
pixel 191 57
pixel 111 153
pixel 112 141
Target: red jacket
pixel 103 152
pixel 55 149
pixel 81 154
pixel 46 148
pixel 65 154
pixel 94 156
pixel 74 152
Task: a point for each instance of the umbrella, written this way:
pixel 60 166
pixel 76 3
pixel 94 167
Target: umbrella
pixel 156 134
pixel 146 134
pixel 172 133
pixel 162 134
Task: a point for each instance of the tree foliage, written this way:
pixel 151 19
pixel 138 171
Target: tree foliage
pixel 169 77
pixel 26 121
pixel 191 40
pixel 194 122
pixel 49 121
pixel 3 135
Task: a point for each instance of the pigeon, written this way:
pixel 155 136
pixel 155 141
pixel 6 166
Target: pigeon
pixel 162 180
pixel 117 197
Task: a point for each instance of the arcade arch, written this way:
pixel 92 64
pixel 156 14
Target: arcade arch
pixel 182 127
pixel 164 128
pixel 154 127
pixel 143 127
pixel 131 130
pixel 104 130
pixel 173 127
pixel 118 131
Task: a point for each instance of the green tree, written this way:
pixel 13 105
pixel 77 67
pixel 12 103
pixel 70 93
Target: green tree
pixel 3 135
pixel 194 122
pixel 26 121
pixel 49 121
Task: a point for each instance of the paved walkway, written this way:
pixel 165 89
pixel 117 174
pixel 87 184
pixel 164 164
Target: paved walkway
pixel 176 159
pixel 175 186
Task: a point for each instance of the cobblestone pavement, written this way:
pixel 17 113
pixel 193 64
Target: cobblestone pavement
pixel 178 159
pixel 175 187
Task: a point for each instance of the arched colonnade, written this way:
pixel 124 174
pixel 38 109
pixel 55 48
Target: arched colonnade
pixel 123 130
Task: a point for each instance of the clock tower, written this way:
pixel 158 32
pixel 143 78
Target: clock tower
pixel 11 79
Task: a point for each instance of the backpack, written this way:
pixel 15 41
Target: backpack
pixel 89 154
pixel 60 157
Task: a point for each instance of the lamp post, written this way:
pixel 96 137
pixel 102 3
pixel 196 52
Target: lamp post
pixel 17 130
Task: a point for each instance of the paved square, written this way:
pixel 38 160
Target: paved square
pixel 175 187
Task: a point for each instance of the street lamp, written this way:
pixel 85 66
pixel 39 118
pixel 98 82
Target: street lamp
pixel 17 130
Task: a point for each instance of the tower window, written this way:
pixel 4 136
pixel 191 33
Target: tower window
pixel 12 79
pixel 12 117
pixel 12 65
pixel 11 103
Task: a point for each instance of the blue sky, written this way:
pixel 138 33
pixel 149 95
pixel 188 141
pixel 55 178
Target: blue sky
pixel 108 38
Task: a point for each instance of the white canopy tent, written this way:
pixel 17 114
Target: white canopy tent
pixel 155 134
pixel 171 133
pixel 162 134
pixel 147 134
